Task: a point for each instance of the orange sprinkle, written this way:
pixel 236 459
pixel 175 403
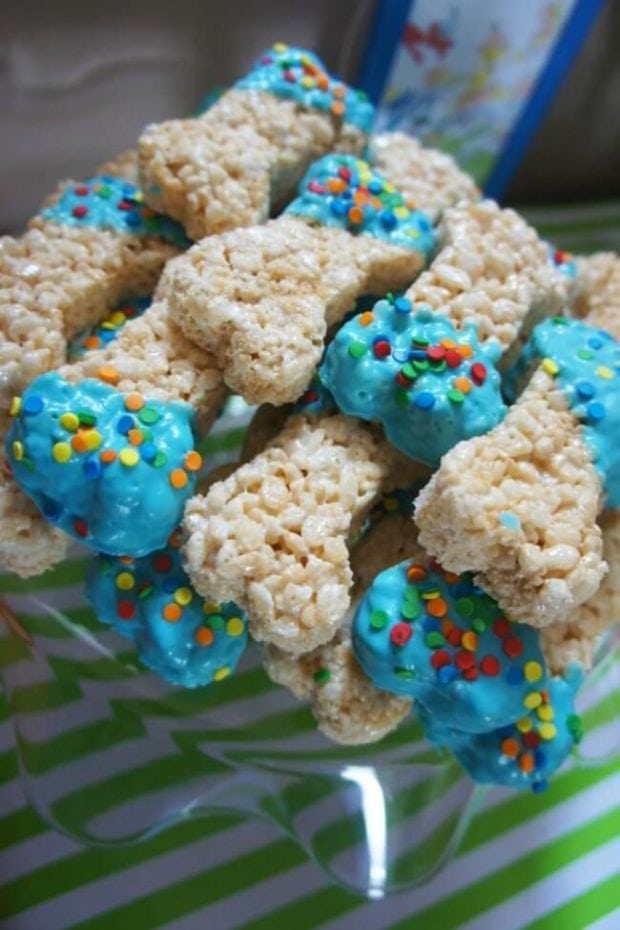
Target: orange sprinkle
pixel 360 197
pixel 469 641
pixel 172 613
pixel 125 559
pixel 366 318
pixel 336 185
pixel 147 212
pixel 136 437
pixel 178 478
pixel 322 81
pixel 204 636
pixel 193 460
pixel 437 607
pixel 510 747
pixel 109 375
pixel 355 215
pixel 339 91
pixel 462 384
pixel 93 342
pixel 544 695
pixel 107 456
pixel 134 402
pixel 79 443
pixel 448 343
pixel 416 573
pixel 338 108
pixel 446 626
pixel 465 351
pixel 526 762
pixel 376 203
pixel 450 577
pixel 175 539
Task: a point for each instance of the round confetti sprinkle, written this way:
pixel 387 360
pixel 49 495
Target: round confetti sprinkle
pixel 125 581
pixel 533 671
pixel 61 452
pixel 69 421
pixel 148 416
pixel 18 450
pixel 178 478
pixel 221 673
pixel 183 596
pixel 129 457
pixel 172 613
pixel 235 626
pixel 204 636
pixel 193 461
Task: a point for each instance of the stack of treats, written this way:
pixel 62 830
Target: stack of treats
pixel 425 513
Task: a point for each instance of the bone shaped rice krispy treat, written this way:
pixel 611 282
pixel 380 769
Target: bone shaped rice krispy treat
pixel 429 179
pixel 519 506
pixel 124 165
pixel 348 708
pixel 243 158
pixel 263 298
pixel 105 446
pixel 275 532
pixel 424 364
pixel 93 244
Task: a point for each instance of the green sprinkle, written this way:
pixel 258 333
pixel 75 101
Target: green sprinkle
pixel 358 349
pixel 559 320
pixel 215 622
pixel 401 398
pixel 465 606
pixel 421 364
pixel 145 592
pixel 585 354
pixel 456 396
pixel 406 673
pixel 434 640
pixel 322 675
pixel 105 192
pixel 160 459
pixel 575 726
pixel 86 418
pixel 438 365
pixel 479 625
pixel 148 415
pixel 409 371
pixel 420 341
pixel 379 619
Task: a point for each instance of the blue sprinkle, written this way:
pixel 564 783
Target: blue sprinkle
pixel 400 355
pixel 170 585
pixel 505 732
pixel 424 400
pixel 133 219
pixel 347 194
pixel 375 187
pixel 124 424
pixel 107 335
pixel 148 451
pixel 446 674
pixel 540 758
pixel 32 404
pixel 514 675
pixel 539 786
pixel 596 411
pixel 509 520
pixel 387 219
pixel 92 469
pixel 338 208
pixel 595 343
pixel 424 223
pixel 417 354
pixel 431 625
pixel 402 305
pixel 52 510
pixel 461 588
pixel 585 390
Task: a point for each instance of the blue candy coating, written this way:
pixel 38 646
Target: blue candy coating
pixel 169 648
pixel 120 509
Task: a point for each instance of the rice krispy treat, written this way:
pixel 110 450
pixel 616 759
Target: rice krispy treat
pixel 105 446
pixel 263 298
pixel 428 178
pixel 425 364
pixel 29 545
pixel 273 537
pixel 242 159
pixel 519 506
pixel 124 165
pixel 93 244
pixel 599 298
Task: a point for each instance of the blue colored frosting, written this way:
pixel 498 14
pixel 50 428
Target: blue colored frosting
pixel 299 75
pixel 429 384
pixel 185 639
pixel 585 362
pixel 525 753
pixel 345 192
pixel 435 637
pixel 112 203
pixel 111 469
pixel 98 337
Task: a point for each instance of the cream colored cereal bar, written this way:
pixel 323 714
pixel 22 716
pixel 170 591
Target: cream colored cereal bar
pixel 263 298
pixel 518 506
pixel 428 178
pixel 242 159
pixel 273 536
pixel 599 286
pixel 124 165
pixel 64 273
pixel 29 545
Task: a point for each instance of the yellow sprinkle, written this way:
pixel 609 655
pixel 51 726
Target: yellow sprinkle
pixel 118 318
pixel 18 451
pixel 108 325
pixel 469 641
pixel 221 673
pixel 604 372
pixel 125 581
pixel 93 439
pixel 533 671
pixel 546 712
pixel 401 212
pixel 15 406
pixel 532 700
pixel 61 452
pixel 129 457
pixel 430 595
pixel 413 233
pixel 183 596
pixel 550 366
pixel 235 626
pixel 308 81
pixel 280 47
pixel 524 725
pixel 210 607
pixel 388 188
pixel 548 730
pixel 70 421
